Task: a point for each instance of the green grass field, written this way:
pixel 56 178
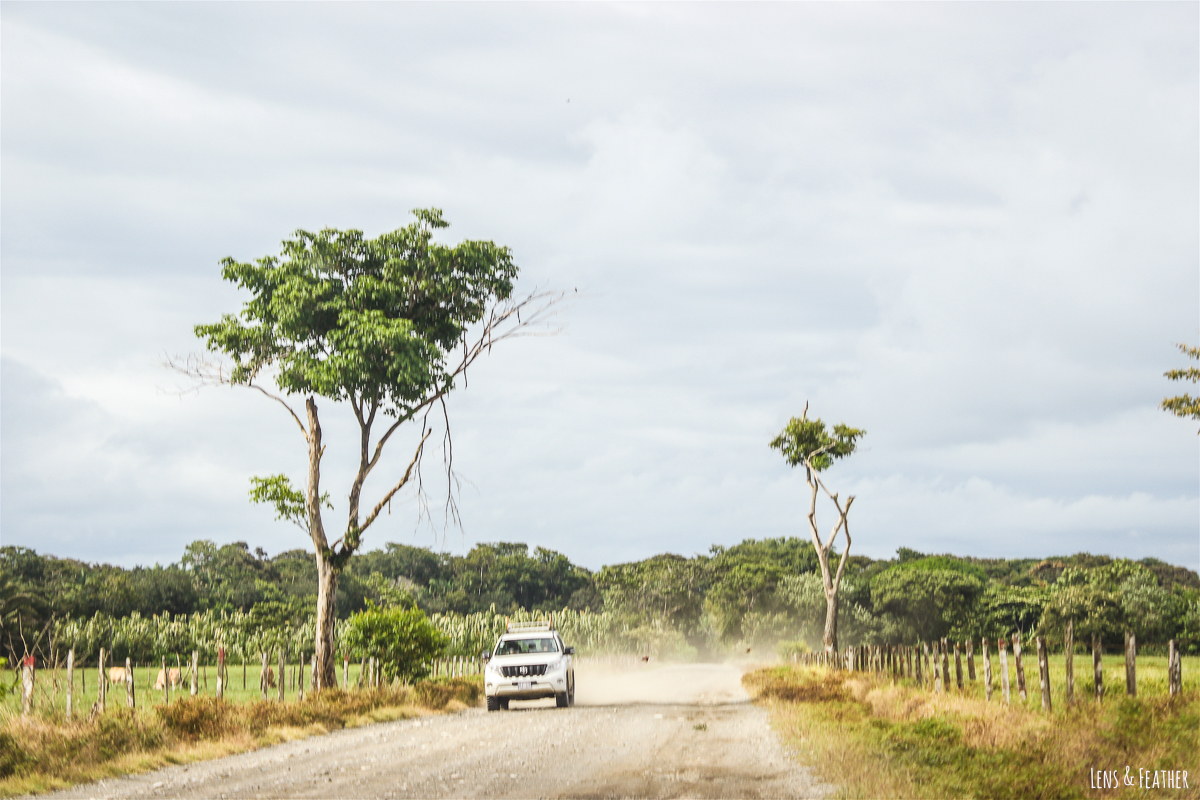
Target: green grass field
pixel 50 690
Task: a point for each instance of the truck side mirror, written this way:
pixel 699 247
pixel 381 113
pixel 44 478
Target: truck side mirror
pixel 569 651
pixel 487 655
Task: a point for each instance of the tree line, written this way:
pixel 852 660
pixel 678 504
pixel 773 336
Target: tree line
pixel 754 594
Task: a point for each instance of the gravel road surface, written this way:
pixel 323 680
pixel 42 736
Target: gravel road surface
pixel 660 731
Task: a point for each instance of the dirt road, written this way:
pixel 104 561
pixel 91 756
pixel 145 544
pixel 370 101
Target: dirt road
pixel 657 731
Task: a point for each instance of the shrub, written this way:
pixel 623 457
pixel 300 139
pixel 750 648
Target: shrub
pixel 403 639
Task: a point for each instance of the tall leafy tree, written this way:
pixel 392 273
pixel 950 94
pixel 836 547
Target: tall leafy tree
pixel 1184 405
pixel 930 594
pixel 809 443
pixel 388 326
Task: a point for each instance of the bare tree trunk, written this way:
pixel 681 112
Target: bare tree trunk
pixel 831 613
pixel 830 582
pixel 324 675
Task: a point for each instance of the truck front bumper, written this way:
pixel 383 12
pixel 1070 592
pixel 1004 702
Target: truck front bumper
pixel 526 690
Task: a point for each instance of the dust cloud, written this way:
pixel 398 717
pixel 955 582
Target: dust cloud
pixel 601 684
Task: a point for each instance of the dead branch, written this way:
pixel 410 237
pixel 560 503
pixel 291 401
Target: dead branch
pixel 203 371
pixel 407 474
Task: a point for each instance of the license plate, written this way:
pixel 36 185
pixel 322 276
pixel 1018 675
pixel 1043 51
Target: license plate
pixel 523 685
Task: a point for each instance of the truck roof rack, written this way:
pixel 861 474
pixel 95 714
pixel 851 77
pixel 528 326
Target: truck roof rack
pixel 523 627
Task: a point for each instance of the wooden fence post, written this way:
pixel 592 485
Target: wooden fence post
pixel 1174 669
pixel 987 671
pixel 71 681
pixel 1002 646
pixel 1173 655
pixel 1020 667
pixel 27 681
pixel 221 677
pixel 1130 664
pixel 1097 668
pixel 362 671
pixel 971 660
pixel 1069 659
pixel 345 673
pixel 928 674
pixel 282 672
pixel 194 670
pixel 262 676
pixel 958 675
pixel 244 660
pixel 938 678
pixel 1043 672
pixel 103 682
pixel 945 665
pixel 166 683
pixel 130 691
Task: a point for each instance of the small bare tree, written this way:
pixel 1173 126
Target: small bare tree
pixel 389 325
pixel 807 442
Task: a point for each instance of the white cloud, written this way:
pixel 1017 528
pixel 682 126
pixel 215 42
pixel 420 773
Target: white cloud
pixel 971 230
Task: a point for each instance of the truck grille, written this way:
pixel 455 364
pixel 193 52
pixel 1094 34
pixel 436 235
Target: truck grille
pixel 524 671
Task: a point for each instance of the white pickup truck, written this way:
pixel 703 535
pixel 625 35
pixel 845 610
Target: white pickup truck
pixel 529 662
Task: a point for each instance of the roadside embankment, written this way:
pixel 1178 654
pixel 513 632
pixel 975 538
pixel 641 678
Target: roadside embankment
pixel 875 736
pixel 39 753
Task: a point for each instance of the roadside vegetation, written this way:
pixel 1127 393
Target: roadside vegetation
pixel 45 752
pixel 875 737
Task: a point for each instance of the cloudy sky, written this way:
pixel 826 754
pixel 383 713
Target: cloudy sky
pixel 971 229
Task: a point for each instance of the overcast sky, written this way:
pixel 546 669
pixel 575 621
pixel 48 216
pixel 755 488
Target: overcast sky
pixel 971 229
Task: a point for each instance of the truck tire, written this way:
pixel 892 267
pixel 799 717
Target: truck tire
pixel 562 700
pixel 493 704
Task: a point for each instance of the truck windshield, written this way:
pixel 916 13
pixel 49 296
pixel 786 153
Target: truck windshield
pixel 516 646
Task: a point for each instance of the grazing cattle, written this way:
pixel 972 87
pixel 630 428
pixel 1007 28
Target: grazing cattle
pixel 270 678
pixel 117 675
pixel 173 674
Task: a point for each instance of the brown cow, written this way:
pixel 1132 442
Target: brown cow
pixel 270 678
pixel 174 675
pixel 117 675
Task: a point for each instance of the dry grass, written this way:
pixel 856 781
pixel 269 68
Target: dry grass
pixel 875 738
pixel 42 753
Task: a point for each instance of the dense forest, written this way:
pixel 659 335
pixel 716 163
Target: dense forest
pixel 760 593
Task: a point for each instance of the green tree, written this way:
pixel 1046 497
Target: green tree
pixel 809 443
pixel 667 590
pixel 381 324
pixel 930 594
pixel 403 639
pixel 1184 405
pixel 743 598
